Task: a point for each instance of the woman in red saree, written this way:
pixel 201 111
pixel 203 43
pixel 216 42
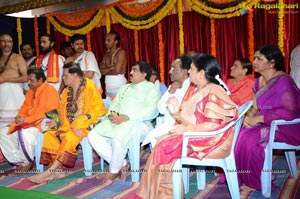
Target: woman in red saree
pixel 241 85
pixel 210 108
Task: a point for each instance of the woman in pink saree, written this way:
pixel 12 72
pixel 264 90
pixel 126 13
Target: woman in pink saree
pixel 210 108
pixel 276 97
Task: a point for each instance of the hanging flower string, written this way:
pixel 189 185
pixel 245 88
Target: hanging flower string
pixel 181 38
pixel 136 44
pixel 213 37
pixel 19 30
pixel 47 25
pixel 107 21
pixel 36 36
pixel 67 38
pixel 143 24
pixel 280 26
pixel 161 53
pixel 88 37
pixel 250 36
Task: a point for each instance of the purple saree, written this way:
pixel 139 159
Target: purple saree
pixel 278 99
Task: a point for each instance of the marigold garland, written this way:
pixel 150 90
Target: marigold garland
pixel 250 36
pixel 180 16
pixel 19 31
pixel 229 12
pixel 107 21
pixel 280 26
pixel 140 9
pixel 143 24
pixel 88 38
pixel 78 18
pixel 161 53
pixel 83 30
pixel 36 36
pixel 213 37
pixel 136 45
pixel 67 38
pixel 47 26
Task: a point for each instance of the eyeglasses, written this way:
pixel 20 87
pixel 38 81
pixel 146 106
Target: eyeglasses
pixel 6 41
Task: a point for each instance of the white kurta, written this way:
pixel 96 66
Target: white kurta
pixel 169 121
pixel 88 62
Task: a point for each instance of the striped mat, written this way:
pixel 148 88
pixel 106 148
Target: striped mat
pixel 76 185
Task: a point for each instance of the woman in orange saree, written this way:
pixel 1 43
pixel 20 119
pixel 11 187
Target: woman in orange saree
pixel 210 108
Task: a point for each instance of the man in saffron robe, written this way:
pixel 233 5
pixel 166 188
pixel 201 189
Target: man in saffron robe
pixel 276 97
pixel 50 62
pixel 241 85
pixel 181 88
pixel 80 107
pixel 19 139
pixel 210 108
pixel 134 101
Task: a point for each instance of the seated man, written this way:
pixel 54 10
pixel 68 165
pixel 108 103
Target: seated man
pixel 134 101
pixel 18 141
pixel 80 107
pixel 155 79
pixel 181 89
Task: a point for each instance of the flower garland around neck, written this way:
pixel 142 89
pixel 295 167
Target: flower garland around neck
pixel 72 106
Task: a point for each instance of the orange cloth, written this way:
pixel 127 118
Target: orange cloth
pixel 37 103
pixel 242 91
pixel 52 66
pixel 89 102
pixel 210 108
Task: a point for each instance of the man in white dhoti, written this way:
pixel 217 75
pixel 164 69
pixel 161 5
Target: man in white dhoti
pixel 17 141
pixel 181 89
pixel 113 65
pixel 86 60
pixel 12 75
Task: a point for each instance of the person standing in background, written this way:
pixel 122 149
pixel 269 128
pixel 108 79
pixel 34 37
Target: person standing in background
pixel 113 65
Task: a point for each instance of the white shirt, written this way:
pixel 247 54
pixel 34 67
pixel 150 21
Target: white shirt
pixel 88 62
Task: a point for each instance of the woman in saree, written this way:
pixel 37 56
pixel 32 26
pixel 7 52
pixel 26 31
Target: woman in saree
pixel 276 96
pixel 210 108
pixel 241 85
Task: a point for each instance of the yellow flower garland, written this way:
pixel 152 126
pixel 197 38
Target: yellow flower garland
pixel 136 45
pixel 180 18
pixel 84 30
pixel 107 21
pixel 19 30
pixel 213 37
pixel 161 53
pixel 143 24
pixel 205 10
pixel 280 26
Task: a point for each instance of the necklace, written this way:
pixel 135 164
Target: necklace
pixel 113 56
pixel 72 106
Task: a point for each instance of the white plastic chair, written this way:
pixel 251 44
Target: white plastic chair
pixel 87 150
pixel 134 148
pixel 227 163
pixel 289 154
